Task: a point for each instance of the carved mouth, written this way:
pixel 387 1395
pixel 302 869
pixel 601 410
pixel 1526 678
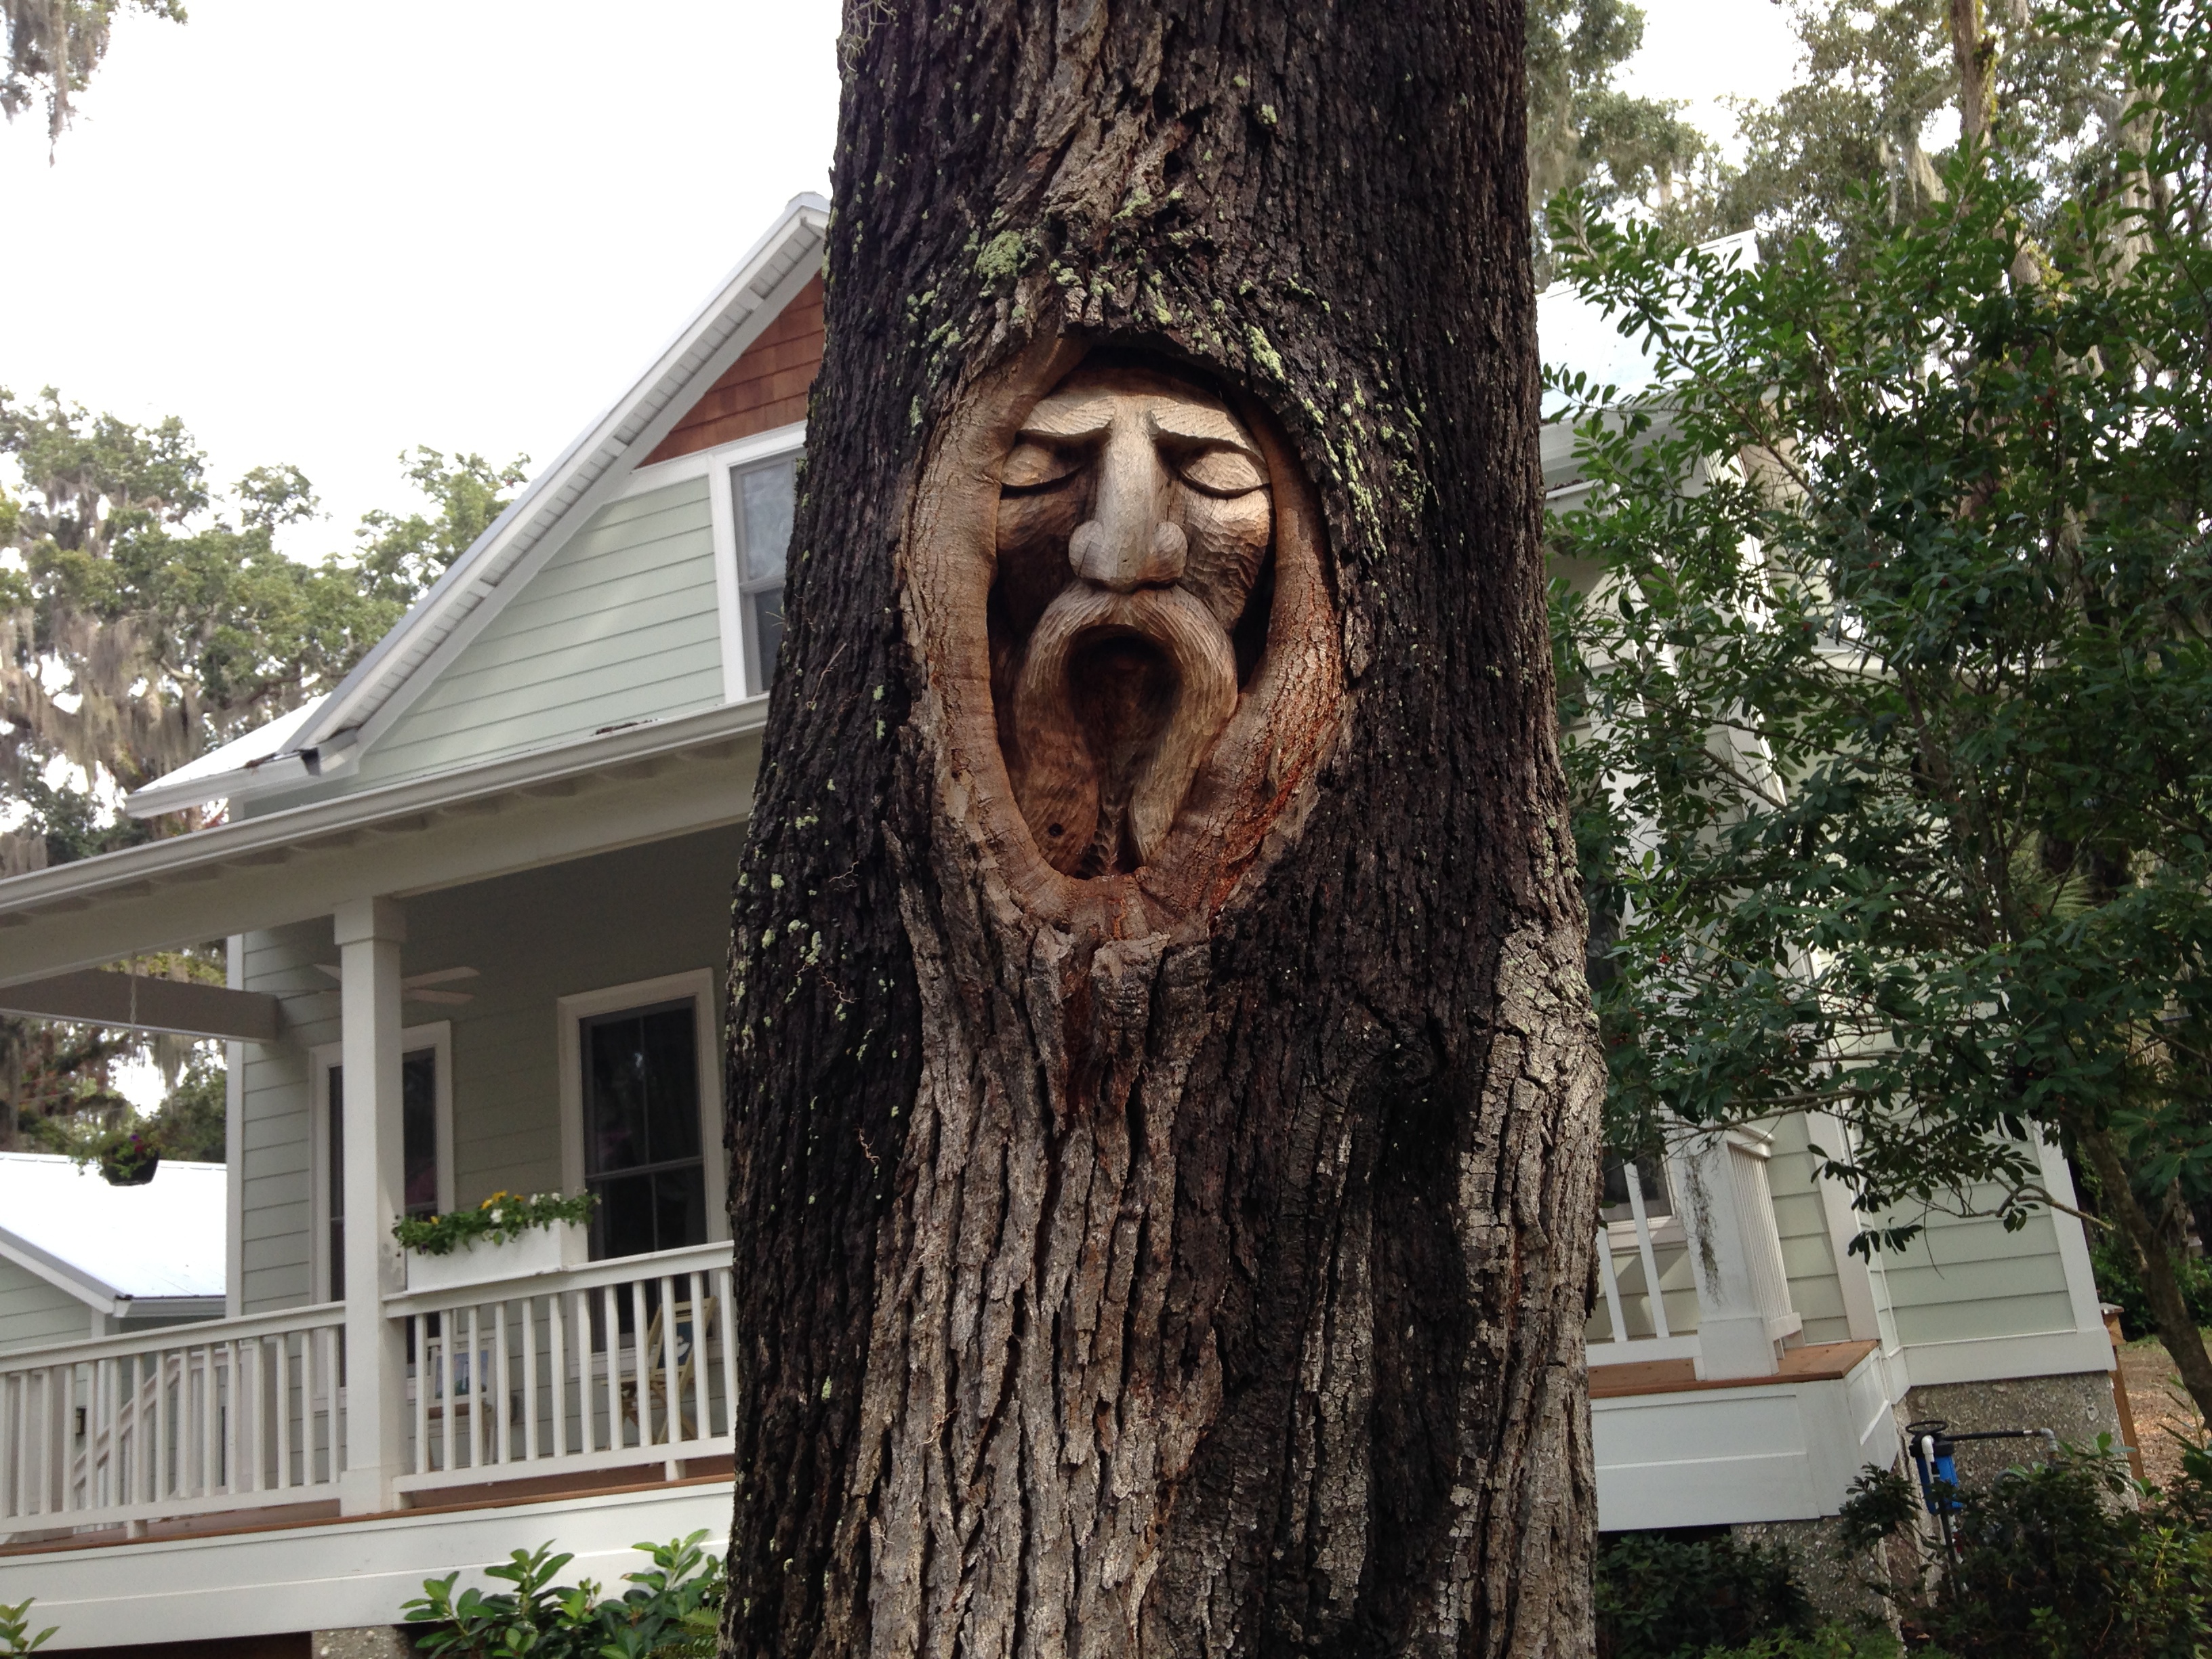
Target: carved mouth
pixel 1120 697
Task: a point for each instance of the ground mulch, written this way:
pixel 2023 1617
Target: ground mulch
pixel 2162 1407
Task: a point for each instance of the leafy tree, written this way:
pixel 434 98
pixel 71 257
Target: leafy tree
pixel 1872 82
pixel 1661 1596
pixel 1890 691
pixel 1586 135
pixel 54 47
pixel 144 625
pixel 143 622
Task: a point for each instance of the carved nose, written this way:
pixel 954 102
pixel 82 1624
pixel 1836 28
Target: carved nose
pixel 1126 562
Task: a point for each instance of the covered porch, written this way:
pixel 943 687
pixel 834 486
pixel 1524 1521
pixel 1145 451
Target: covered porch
pixel 506 979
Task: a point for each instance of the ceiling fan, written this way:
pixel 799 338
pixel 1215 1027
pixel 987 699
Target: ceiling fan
pixel 415 987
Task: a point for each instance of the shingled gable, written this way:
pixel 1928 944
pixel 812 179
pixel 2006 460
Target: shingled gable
pixel 764 389
pixel 742 365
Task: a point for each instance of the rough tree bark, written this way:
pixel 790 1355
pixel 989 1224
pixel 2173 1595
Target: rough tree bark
pixel 1162 1093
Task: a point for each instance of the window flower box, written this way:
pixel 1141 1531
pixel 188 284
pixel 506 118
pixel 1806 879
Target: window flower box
pixel 506 1237
pixel 553 1250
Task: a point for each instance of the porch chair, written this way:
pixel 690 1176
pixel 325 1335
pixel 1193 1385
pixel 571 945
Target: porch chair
pixel 688 1329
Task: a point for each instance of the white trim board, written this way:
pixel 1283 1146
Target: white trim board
pixel 1767 1449
pixel 572 517
pixel 569 1014
pixel 1996 1358
pixel 703 463
pixel 337 1575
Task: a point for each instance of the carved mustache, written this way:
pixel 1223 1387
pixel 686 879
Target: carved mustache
pixel 1061 780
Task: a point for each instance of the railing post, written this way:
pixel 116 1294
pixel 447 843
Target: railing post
pixel 369 934
pixel 1733 1337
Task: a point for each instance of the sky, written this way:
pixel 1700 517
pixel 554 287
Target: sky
pixel 321 234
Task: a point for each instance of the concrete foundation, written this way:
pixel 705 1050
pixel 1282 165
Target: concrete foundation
pixel 2077 1408
pixel 1835 1580
pixel 368 1642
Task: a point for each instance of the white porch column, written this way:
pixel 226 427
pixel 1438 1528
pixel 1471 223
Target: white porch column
pixel 1733 1337
pixel 369 934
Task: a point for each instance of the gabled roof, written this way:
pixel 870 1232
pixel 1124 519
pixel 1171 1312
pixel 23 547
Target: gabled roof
pixel 329 736
pixel 111 1247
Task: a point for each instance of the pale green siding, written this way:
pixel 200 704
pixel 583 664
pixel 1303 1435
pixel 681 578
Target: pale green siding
pixel 35 1313
pixel 1800 1218
pixel 534 938
pixel 1964 1279
pixel 619 626
pixel 276 1198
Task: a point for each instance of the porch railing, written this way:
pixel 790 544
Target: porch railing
pixel 1643 1253
pixel 1671 1290
pixel 227 1414
pixel 622 1363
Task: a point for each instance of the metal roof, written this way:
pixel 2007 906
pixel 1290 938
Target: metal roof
pixel 107 1244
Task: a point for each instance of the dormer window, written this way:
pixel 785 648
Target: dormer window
pixel 763 497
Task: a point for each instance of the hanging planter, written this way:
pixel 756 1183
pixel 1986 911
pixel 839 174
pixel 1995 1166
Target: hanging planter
pixel 130 1161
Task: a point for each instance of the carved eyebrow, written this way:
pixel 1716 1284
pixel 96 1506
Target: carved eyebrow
pixel 1067 418
pixel 1196 423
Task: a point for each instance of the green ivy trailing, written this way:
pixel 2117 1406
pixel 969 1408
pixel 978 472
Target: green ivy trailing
pixel 502 1217
pixel 671 1611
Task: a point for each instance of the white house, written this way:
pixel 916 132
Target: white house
pixel 477 900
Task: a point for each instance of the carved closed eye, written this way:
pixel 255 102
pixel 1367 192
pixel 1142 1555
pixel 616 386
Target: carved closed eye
pixel 1035 465
pixel 1220 472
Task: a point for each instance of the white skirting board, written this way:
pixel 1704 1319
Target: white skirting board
pixel 1768 1452
pixel 338 1574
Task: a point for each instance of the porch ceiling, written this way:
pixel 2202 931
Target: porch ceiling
pixel 545 807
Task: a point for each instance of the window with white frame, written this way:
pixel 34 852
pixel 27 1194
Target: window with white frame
pixel 426 1116
pixel 752 486
pixel 763 496
pixel 640 1108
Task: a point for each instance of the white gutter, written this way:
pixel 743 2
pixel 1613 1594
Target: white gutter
pixel 132 871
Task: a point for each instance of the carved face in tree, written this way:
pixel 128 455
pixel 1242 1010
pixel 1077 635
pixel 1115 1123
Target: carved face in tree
pixel 1126 567
pixel 1134 519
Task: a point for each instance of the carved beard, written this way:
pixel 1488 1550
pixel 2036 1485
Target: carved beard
pixel 1120 697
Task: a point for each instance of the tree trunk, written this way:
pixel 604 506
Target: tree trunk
pixel 1973 54
pixel 1163 1098
pixel 2177 1330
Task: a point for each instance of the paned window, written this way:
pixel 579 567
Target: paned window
pixel 642 1154
pixel 764 498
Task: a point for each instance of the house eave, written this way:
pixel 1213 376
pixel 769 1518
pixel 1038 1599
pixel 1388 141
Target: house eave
pixel 560 496
pixel 100 1297
pixel 71 890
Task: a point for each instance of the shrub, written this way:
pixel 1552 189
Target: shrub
pixel 15 1628
pixel 671 1610
pixel 1829 1642
pixel 1667 1597
pixel 2067 1560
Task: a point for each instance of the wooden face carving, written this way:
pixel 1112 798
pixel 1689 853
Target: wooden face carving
pixel 1133 520
pixel 1115 585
